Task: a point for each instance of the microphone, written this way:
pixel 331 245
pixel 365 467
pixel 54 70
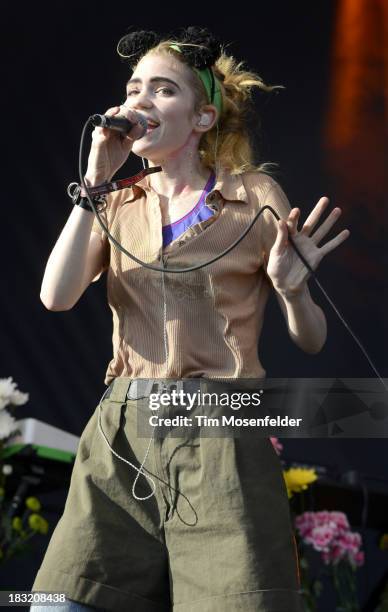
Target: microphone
pixel 120 124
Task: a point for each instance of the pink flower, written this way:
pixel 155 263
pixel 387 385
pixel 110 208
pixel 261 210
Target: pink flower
pixel 329 533
pixel 350 541
pixel 336 554
pixel 340 519
pixel 277 445
pixel 321 537
pixel 358 558
pixel 305 523
pixel 322 517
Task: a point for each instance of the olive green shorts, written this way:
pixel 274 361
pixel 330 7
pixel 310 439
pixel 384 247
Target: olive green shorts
pixel 215 536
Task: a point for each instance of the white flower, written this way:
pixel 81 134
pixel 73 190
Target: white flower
pixel 7 387
pixel 10 395
pixel 7 424
pixel 7 469
pixel 3 402
pixel 18 398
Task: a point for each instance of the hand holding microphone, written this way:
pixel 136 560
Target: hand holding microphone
pixel 121 124
pixel 112 141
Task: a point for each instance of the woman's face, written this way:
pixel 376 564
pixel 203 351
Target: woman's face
pixel 159 89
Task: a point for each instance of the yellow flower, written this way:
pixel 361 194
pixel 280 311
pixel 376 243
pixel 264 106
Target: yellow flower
pixel 38 523
pixel 44 526
pixel 298 479
pixel 34 521
pixel 33 504
pixel 384 542
pixel 17 523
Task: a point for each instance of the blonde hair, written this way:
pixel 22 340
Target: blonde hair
pixel 228 143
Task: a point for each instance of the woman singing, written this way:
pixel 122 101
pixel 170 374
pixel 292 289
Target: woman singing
pixel 184 520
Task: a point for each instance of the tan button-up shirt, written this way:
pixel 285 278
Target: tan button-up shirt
pixel 202 323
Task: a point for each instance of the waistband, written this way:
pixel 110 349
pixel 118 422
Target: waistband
pixel 124 387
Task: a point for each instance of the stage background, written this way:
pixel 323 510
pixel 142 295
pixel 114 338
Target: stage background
pixel 60 67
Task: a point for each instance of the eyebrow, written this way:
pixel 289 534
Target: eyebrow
pixel 154 80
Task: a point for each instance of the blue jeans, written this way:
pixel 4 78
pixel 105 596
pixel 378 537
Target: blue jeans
pixel 68 606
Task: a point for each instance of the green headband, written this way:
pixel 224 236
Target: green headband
pixel 210 83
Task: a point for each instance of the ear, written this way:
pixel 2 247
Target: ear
pixel 206 118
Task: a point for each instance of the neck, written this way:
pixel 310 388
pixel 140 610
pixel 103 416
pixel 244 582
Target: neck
pixel 182 172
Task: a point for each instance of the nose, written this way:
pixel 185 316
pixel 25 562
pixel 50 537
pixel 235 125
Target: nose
pixel 142 100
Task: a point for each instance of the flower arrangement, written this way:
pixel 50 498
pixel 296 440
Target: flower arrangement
pixel 15 530
pixel 329 534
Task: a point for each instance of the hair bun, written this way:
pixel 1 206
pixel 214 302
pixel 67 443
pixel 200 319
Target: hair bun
pixel 134 45
pixel 202 50
pixel 205 55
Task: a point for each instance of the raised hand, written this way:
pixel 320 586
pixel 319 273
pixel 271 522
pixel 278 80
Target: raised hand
pixel 285 269
pixel 110 149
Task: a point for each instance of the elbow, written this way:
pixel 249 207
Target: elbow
pixel 53 306
pixel 52 300
pixel 314 349
pixel 315 346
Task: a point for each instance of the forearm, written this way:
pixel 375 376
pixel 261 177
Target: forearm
pixel 63 276
pixel 305 320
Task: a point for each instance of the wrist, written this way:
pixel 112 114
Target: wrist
pixel 93 180
pixel 74 191
pixel 295 294
pixel 84 204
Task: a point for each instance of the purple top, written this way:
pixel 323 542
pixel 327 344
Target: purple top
pixel 200 212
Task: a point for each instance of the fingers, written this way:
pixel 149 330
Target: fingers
pixel 281 237
pixel 326 225
pixel 332 244
pixel 292 221
pixel 137 131
pixel 314 216
pixel 100 131
pixel 129 113
pixel 285 228
pixel 113 111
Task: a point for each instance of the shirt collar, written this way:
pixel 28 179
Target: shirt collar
pixel 229 187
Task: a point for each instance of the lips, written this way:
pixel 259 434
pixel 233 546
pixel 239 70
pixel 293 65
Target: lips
pixel 151 127
pixel 152 124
